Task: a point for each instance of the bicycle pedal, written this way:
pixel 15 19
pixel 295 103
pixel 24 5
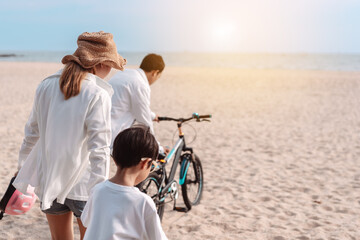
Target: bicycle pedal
pixel 181 209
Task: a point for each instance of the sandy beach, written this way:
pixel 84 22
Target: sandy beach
pixel 280 156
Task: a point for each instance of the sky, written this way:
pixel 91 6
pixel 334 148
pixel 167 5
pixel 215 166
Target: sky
pixel 261 26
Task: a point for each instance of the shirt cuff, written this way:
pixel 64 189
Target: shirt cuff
pixel 153 115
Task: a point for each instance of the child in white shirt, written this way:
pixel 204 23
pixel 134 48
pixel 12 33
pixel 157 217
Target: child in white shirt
pixel 116 209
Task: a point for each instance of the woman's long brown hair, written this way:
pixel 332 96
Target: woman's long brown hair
pixel 71 77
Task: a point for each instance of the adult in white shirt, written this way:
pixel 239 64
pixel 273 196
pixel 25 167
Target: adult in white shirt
pixel 65 151
pixel 131 99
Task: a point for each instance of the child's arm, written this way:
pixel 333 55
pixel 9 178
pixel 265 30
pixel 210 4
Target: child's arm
pixel 87 213
pixel 153 226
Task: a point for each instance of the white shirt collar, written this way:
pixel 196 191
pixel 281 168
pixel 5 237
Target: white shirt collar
pixel 143 75
pixel 98 81
pixel 101 83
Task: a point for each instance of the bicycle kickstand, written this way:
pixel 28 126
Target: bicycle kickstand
pixel 180 209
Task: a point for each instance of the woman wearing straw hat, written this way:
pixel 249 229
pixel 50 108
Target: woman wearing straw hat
pixel 65 151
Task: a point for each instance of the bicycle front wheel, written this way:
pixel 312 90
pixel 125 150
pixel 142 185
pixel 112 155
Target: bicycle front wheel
pixel 193 184
pixel 151 186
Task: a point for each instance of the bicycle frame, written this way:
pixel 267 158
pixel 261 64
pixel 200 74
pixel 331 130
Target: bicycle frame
pixel 177 149
pixel 164 179
pixel 174 156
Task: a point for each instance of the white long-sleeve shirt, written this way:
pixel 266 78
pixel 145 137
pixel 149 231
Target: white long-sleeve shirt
pixel 65 151
pixel 131 100
pixel 120 212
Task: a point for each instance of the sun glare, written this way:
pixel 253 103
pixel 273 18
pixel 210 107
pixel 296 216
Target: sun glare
pixel 223 31
pixel 223 34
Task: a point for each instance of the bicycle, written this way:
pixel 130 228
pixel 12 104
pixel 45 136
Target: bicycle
pixel 160 184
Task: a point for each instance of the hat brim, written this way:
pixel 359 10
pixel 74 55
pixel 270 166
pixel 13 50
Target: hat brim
pixel 87 64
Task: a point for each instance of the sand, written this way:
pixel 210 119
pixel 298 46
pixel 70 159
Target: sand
pixel 280 156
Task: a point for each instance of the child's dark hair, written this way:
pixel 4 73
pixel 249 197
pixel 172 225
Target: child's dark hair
pixel 152 62
pixel 132 144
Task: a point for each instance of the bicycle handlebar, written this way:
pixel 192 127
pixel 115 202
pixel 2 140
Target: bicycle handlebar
pixel 166 119
pixel 194 116
pixel 205 116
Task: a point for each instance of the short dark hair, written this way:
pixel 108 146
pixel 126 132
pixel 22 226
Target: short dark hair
pixel 151 62
pixel 132 144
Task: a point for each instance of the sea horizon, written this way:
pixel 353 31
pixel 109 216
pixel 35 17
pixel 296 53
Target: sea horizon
pixel 286 61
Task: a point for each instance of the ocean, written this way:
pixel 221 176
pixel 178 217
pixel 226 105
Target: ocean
pixel 332 62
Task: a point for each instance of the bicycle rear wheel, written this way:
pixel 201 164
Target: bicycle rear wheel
pixel 151 186
pixel 193 184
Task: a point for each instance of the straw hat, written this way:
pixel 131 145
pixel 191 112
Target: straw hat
pixel 94 48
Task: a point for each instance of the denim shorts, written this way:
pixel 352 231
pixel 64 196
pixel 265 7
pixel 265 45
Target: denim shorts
pixel 74 206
